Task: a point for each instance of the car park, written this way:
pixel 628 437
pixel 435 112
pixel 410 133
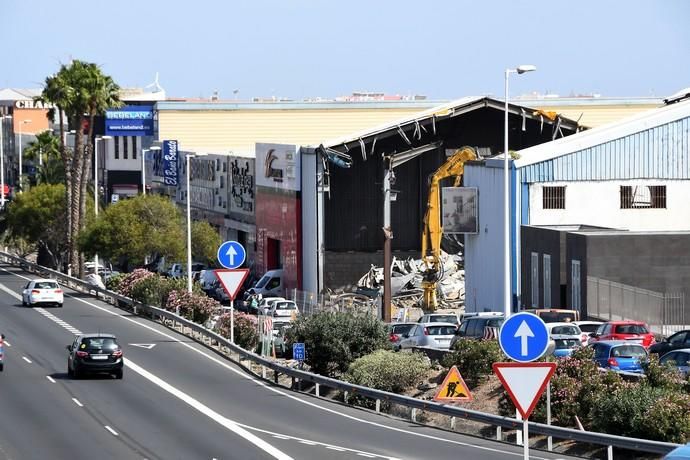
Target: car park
pixel 430 335
pixel 679 359
pixel 630 331
pixel 396 331
pixel 567 337
pixel 94 353
pixel 587 327
pixel 482 326
pixel 439 318
pixel 676 341
pixel 619 355
pixel 42 291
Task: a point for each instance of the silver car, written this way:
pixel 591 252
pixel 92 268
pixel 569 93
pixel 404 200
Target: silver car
pixel 431 335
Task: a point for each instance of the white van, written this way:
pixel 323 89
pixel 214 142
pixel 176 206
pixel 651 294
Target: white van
pixel 271 284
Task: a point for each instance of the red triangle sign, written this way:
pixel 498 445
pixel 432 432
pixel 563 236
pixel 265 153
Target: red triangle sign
pixel 525 383
pixel 231 280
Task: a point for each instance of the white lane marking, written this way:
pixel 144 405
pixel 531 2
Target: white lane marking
pixel 26 359
pixel 339 449
pixel 309 443
pixel 210 413
pixel 7 343
pixel 275 390
pixel 50 379
pixel 366 455
pixel 58 321
pixel 148 346
pixel 76 401
pixel 111 430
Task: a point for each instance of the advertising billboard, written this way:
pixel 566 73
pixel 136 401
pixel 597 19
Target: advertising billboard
pixel 131 120
pixel 170 158
pixel 459 210
pixel 242 185
pixel 278 166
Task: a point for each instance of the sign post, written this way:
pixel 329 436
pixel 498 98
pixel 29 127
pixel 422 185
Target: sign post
pixel 524 338
pixel 231 280
pixel 299 353
pixel 231 255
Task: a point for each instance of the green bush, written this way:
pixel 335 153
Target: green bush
pixel 148 290
pixel 131 279
pixel 474 359
pixel 333 340
pixel 193 306
pixel 246 333
pixel 665 376
pixel 388 371
pixel 113 283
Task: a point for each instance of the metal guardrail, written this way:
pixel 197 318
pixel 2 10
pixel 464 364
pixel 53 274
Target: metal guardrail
pixel 635 444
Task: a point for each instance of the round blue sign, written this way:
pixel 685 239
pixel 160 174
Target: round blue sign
pixel 524 337
pixel 231 254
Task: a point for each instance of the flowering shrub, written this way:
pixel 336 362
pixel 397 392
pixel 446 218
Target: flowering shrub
pixel 388 371
pixel 113 283
pixel 127 284
pixel 193 306
pixel 246 329
pixel 148 290
pixel 474 359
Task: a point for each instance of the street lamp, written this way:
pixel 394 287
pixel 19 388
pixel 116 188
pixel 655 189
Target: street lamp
pixel 23 122
pixel 143 167
pixel 95 188
pixel 2 159
pixel 189 223
pixel 506 196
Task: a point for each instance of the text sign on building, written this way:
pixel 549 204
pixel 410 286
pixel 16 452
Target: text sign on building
pixel 459 210
pixel 242 185
pixel 170 159
pixel 129 121
pixel 278 166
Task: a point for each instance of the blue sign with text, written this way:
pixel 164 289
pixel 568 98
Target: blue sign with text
pixel 231 254
pixel 170 159
pixel 298 353
pixel 131 120
pixel 524 337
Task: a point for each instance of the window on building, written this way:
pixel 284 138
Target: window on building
pixel 222 181
pixel 547 281
pixel 117 147
pixel 576 299
pixel 643 196
pixel 553 197
pixel 535 279
pixel 134 148
pixel 125 149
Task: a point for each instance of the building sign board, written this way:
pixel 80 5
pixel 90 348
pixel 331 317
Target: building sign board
pixel 278 166
pixel 130 120
pixel 170 159
pixel 242 176
pixel 459 210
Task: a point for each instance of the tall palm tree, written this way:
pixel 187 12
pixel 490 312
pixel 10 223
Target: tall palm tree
pixel 45 151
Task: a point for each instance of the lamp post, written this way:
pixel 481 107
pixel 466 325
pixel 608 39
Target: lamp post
pixel 189 222
pixel 2 159
pixel 506 196
pixel 21 124
pixel 95 188
pixel 143 167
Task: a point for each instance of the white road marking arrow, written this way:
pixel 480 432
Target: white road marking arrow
pixel 148 346
pixel 232 253
pixel 523 331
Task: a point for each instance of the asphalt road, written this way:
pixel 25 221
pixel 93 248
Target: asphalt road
pixel 178 400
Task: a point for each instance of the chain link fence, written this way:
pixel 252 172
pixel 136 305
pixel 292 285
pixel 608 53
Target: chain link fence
pixel 664 312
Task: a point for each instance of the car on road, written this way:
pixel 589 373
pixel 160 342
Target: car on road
pixel 567 338
pixel 677 341
pixel 439 318
pixel 679 359
pixel 619 355
pixel 431 335
pixel 94 353
pixel 42 291
pixel 482 326
pixel 587 327
pixel 396 331
pixel 630 331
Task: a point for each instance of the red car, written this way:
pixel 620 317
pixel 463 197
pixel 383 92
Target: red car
pixel 630 331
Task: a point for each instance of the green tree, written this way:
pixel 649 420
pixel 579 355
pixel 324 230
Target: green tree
pixel 45 151
pixel 130 229
pixel 205 242
pixel 27 216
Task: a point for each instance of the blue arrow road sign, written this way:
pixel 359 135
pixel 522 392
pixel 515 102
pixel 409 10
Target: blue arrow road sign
pixel 524 337
pixel 231 254
pixel 298 351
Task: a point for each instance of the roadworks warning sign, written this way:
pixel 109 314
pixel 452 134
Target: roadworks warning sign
pixel 453 388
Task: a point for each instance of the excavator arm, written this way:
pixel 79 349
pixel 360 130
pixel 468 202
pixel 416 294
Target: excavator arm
pixel 433 230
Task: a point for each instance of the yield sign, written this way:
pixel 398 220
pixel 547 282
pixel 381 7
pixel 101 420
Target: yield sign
pixel 524 382
pixel 453 388
pixel 231 280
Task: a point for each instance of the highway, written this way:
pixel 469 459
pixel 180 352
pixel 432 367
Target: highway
pixel 178 400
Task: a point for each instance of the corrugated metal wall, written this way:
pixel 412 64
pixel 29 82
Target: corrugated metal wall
pixel 662 152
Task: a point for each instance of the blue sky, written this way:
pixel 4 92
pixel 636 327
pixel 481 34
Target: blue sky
pixel 309 48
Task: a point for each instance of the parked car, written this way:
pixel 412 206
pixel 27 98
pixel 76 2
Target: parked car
pixel 439 318
pixel 432 335
pixel 483 326
pixel 676 341
pixel 283 311
pixel 566 336
pixel 279 342
pixel 94 353
pixel 271 284
pixel 42 292
pixel 679 358
pixel 555 315
pixel 679 453
pixel 619 355
pixel 265 304
pixel 630 331
pixel 587 327
pixel 396 331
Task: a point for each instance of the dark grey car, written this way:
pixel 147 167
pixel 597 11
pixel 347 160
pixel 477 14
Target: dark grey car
pixel 94 353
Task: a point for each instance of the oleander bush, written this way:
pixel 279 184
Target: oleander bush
pixel 246 329
pixel 474 359
pixel 193 306
pixel 333 340
pixel 113 283
pixel 126 285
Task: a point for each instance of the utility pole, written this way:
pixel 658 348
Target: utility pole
pixel 387 237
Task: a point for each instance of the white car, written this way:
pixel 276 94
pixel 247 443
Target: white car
pixel 42 291
pixel 567 337
pixel 587 327
pixel 430 335
pixel 284 311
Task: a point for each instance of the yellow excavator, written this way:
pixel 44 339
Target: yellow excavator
pixel 433 230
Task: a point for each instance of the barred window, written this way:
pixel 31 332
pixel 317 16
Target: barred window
pixel 553 197
pixel 643 196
